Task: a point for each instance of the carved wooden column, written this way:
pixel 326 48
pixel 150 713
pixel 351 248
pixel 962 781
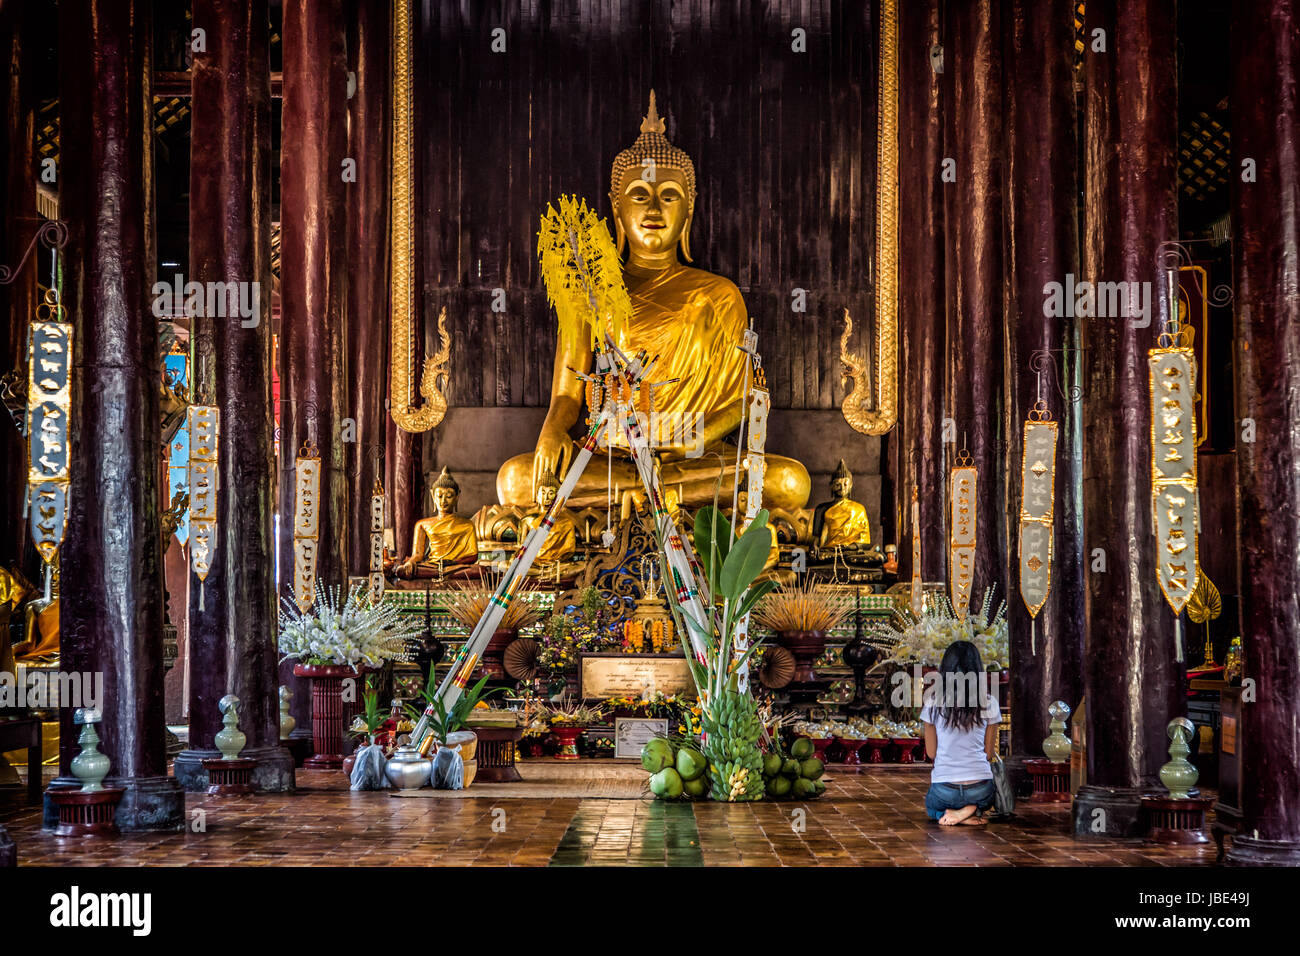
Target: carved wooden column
pixel 313 289
pixel 973 258
pixel 1133 686
pixel 1042 246
pixel 233 641
pixel 1265 60
pixel 921 296
pixel 112 604
pixel 368 241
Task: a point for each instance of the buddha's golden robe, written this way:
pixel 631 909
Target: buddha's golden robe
pixel 560 542
pixel 845 525
pixel 693 321
pixel 449 539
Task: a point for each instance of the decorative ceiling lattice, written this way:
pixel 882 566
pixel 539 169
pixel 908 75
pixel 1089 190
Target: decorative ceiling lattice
pixel 1204 157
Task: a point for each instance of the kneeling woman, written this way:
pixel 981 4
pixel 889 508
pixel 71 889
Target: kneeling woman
pixel 961 734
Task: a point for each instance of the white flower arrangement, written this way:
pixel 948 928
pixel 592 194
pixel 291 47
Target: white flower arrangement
pixel 925 639
pixel 356 634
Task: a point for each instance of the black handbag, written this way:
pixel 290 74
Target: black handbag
pixel 1004 795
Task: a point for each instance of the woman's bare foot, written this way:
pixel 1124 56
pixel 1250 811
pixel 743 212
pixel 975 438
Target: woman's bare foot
pixel 952 818
pixel 974 821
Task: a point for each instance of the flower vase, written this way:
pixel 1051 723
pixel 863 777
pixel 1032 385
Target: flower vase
pixel 806 646
pixel 326 711
pixel 566 736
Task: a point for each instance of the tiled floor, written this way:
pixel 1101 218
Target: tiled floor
pixel 871 817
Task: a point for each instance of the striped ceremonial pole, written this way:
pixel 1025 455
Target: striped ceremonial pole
pixel 467 659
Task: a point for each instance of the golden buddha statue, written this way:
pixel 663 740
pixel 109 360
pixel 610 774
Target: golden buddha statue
pixel 692 320
pixel 562 540
pixel 442 540
pixel 842 524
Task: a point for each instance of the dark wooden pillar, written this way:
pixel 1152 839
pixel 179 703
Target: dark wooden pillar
pixel 368 243
pixel 920 290
pixel 1042 246
pixel 1265 118
pixel 973 260
pixel 18 298
pixel 1133 687
pixel 313 289
pixel 112 604
pixel 232 640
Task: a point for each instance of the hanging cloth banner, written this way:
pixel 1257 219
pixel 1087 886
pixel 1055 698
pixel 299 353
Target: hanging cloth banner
pixel 1174 494
pixel 760 402
pixel 377 543
pixel 204 427
pixel 962 540
pixel 1037 503
pixel 49 412
pixel 306 525
pixel 918 586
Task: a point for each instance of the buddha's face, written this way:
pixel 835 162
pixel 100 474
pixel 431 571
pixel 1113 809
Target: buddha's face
pixel 654 215
pixel 545 496
pixel 841 487
pixel 444 500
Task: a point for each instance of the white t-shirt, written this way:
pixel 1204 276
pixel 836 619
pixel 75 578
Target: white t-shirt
pixel 959 754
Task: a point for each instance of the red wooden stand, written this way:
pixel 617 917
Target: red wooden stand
pixel 1051 780
pixel 1176 821
pixel 86 812
pixel 230 778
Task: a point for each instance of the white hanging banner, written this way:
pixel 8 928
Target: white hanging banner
pixel 760 402
pixel 1173 470
pixel 204 430
pixel 306 525
pixel 962 539
pixel 49 414
pixel 1037 504
pixel 918 586
pixel 377 543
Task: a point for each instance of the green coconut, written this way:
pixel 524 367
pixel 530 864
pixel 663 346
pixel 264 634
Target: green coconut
pixel 790 767
pixel 656 755
pixel 696 788
pixel 802 789
pixel 802 749
pixel 819 787
pixel 772 764
pixel 690 763
pixel 666 784
pixel 778 787
pixel 812 768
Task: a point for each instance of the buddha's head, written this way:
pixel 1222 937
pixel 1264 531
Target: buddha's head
pixel 842 481
pixel 446 493
pixel 652 190
pixel 547 489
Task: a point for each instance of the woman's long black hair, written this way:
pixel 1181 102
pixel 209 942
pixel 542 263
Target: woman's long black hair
pixel 961 692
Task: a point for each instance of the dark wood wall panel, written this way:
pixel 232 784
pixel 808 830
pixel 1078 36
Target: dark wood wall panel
pixel 783 142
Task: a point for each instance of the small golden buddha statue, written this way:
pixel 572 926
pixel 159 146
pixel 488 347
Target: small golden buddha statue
pixel 562 540
pixel 843 523
pixel 442 540
pixel 692 320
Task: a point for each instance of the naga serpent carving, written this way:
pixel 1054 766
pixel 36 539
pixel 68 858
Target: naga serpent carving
pixel 882 418
pixel 401 401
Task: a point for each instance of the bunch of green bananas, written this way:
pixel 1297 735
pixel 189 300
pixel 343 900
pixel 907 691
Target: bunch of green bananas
pixel 732 729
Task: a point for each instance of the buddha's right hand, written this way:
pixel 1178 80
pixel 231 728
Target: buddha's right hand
pixel 553 454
